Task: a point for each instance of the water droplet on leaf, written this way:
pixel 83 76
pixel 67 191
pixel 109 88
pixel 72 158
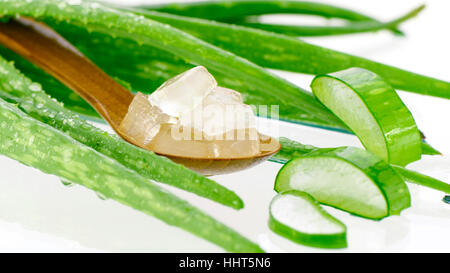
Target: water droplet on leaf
pixel 67 183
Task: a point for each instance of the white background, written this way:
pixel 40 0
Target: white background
pixel 38 213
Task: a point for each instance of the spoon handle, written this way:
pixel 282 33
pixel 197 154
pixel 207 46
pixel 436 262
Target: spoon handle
pixel 49 51
pixel 45 48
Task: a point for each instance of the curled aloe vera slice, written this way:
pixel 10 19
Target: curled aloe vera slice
pixel 292 149
pixel 349 179
pixel 298 217
pixel 371 108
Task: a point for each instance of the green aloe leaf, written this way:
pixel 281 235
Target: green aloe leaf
pixel 243 12
pixel 292 149
pixel 297 105
pixel 237 11
pixel 16 88
pixel 277 51
pixel 350 28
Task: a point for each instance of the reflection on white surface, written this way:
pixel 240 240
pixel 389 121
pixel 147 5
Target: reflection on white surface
pixel 74 218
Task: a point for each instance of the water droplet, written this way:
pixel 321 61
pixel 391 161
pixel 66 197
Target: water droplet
pixel 67 183
pixel 62 5
pixel 35 87
pixel 74 2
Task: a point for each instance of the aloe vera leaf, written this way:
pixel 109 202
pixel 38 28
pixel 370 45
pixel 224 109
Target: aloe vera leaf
pixel 159 65
pixel 157 70
pixel 96 17
pixel 289 109
pixel 41 146
pixel 291 149
pixel 165 69
pixel 422 180
pixel 236 12
pixel 145 71
pixel 289 53
pixel 427 149
pixel 230 10
pixel 51 86
pixel 350 28
pixel 288 112
pixel 16 88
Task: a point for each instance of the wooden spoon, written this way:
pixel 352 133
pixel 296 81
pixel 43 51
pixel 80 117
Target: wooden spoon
pixel 45 48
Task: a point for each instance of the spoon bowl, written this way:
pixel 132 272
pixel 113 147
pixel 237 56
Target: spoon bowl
pixel 219 166
pixel 45 48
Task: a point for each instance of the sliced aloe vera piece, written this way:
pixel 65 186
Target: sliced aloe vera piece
pixel 32 99
pixel 291 149
pixel 146 34
pixel 298 217
pixel 373 111
pixel 349 179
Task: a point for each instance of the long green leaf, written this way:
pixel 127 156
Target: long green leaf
pixel 236 11
pixel 229 9
pixel 427 149
pixel 422 180
pixel 145 71
pixel 41 146
pixel 146 68
pixel 151 34
pixel 16 88
pixel 166 70
pixel 288 53
pixel 292 149
pixel 95 17
pixel 350 28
